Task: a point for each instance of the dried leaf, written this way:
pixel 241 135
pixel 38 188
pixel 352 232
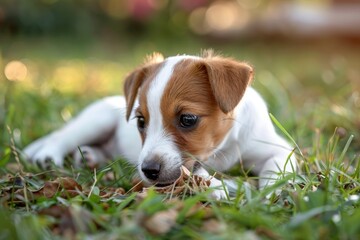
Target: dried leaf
pixel 6 177
pixel 65 224
pixel 49 190
pixel 14 167
pixel 207 211
pixel 111 192
pixel 109 176
pixel 268 233
pixel 141 196
pixel 70 220
pixel 160 222
pixel 213 226
pixel 138 185
pixel 68 187
pixel 68 183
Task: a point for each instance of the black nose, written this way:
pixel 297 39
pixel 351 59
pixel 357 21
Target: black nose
pixel 151 169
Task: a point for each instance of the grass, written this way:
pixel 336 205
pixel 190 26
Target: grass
pixel 313 94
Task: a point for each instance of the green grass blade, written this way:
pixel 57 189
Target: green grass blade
pixel 283 130
pixel 346 148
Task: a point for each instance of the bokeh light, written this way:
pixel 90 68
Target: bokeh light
pixel 114 8
pixel 249 4
pixel 221 16
pixel 16 71
pixel 197 21
pixel 218 17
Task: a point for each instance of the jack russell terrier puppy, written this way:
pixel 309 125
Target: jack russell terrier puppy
pixel 185 110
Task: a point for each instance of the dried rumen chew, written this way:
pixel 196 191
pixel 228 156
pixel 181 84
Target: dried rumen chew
pixel 187 182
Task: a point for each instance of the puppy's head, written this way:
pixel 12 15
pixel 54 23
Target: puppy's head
pixel 184 108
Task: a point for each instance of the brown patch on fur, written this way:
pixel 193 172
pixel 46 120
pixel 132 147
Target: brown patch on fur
pixel 228 79
pixel 137 78
pixel 209 88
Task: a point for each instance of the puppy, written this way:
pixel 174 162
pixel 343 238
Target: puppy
pixel 197 111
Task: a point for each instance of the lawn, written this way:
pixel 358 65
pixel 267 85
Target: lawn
pixel 313 92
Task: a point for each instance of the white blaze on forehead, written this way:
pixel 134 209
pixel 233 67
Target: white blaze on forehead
pixel 157 87
pixel 156 137
pixel 156 91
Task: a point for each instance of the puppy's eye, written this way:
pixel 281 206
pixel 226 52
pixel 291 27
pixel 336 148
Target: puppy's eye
pixel 188 121
pixel 140 123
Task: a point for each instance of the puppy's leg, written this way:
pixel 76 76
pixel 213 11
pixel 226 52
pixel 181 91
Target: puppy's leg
pixel 93 125
pixel 273 160
pixel 91 156
pixel 34 147
pixel 275 165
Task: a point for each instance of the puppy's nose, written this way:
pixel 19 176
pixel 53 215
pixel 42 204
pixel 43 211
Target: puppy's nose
pixel 151 169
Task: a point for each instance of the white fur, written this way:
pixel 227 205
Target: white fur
pixel 158 142
pixel 252 140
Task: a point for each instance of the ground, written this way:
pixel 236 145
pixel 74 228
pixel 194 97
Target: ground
pixel 313 93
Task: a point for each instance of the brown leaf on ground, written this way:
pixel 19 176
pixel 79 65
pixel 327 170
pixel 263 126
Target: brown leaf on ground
pixel 64 222
pixel 14 167
pixel 213 226
pixel 7 177
pixel 138 185
pixel 159 223
pixel 67 187
pixel 204 209
pixel 64 186
pixel 111 192
pixel 109 176
pixel 48 190
pixel 69 220
pixel 268 233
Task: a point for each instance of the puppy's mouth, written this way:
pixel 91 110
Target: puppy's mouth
pixel 164 184
pixel 167 180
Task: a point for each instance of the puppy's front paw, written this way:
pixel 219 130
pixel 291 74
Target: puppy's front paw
pixel 46 155
pixel 90 156
pixel 219 190
pixel 218 194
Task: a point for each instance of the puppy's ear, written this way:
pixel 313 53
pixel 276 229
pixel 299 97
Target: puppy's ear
pixel 228 80
pixel 132 83
pixel 136 78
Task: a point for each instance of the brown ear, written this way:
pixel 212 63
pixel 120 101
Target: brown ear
pixel 131 86
pixel 229 80
pixel 135 79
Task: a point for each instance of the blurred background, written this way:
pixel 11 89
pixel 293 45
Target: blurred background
pixel 57 55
